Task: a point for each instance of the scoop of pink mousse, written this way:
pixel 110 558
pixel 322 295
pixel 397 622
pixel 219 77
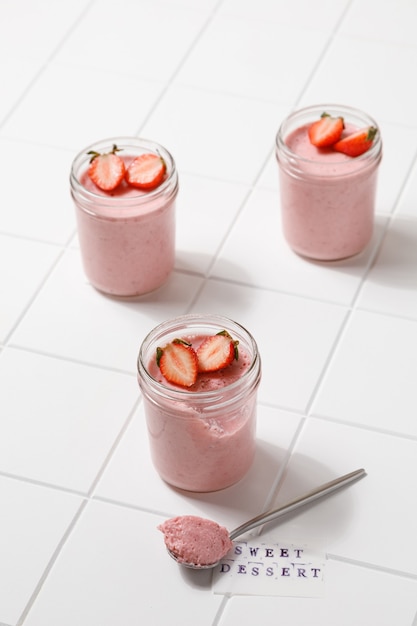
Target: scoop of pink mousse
pixel 196 540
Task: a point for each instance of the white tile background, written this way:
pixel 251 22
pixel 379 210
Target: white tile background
pixel 211 80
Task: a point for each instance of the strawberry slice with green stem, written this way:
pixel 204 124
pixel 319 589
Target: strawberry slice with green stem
pixel 357 142
pixel 106 170
pixel 146 171
pixel 326 131
pixel 178 363
pixel 217 352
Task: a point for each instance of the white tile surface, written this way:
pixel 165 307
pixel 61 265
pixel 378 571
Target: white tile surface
pixel 17 75
pixel 151 45
pixel 397 161
pixel 37 211
pixel 392 22
pixel 23 267
pixel 394 272
pixel 19 38
pixel 281 13
pixel 91 95
pixel 34 520
pixel 376 65
pixel 408 201
pixel 389 599
pixel 80 409
pixel 245 57
pixel 212 81
pixel 371 379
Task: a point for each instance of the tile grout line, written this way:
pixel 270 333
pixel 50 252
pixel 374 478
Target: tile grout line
pixel 34 482
pixel 371 566
pixel 34 296
pixel 69 359
pixel 131 507
pixel 280 477
pixel 114 446
pixel 51 563
pixel 324 51
pixel 300 414
pixel 219 614
pixel 365 427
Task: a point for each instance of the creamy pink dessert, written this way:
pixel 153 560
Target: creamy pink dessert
pixel 327 197
pixel 202 437
pixel 127 235
pixel 196 540
pixel 206 447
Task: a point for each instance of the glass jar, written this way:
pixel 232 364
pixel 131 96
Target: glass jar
pixel 327 198
pixel 202 438
pixel 127 236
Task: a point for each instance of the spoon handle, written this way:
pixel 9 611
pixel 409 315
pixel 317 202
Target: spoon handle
pixel 309 497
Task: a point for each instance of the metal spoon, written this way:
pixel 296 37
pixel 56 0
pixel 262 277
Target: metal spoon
pixel 263 518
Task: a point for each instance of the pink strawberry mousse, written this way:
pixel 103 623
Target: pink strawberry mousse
pixel 202 437
pixel 127 236
pixel 196 540
pixel 209 448
pixel 327 198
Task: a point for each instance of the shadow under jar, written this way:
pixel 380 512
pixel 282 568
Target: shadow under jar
pixel 127 236
pixel 327 197
pixel 202 438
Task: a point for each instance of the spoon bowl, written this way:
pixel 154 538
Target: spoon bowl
pixel 268 516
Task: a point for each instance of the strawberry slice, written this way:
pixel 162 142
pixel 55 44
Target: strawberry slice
pixel 146 171
pixel 217 352
pixel 178 363
pixel 356 143
pixel 326 131
pixel 106 170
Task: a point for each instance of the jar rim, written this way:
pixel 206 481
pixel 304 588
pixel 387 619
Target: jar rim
pixel 335 109
pixel 184 322
pixel 101 203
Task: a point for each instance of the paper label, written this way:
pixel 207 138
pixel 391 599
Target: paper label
pixel 271 569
